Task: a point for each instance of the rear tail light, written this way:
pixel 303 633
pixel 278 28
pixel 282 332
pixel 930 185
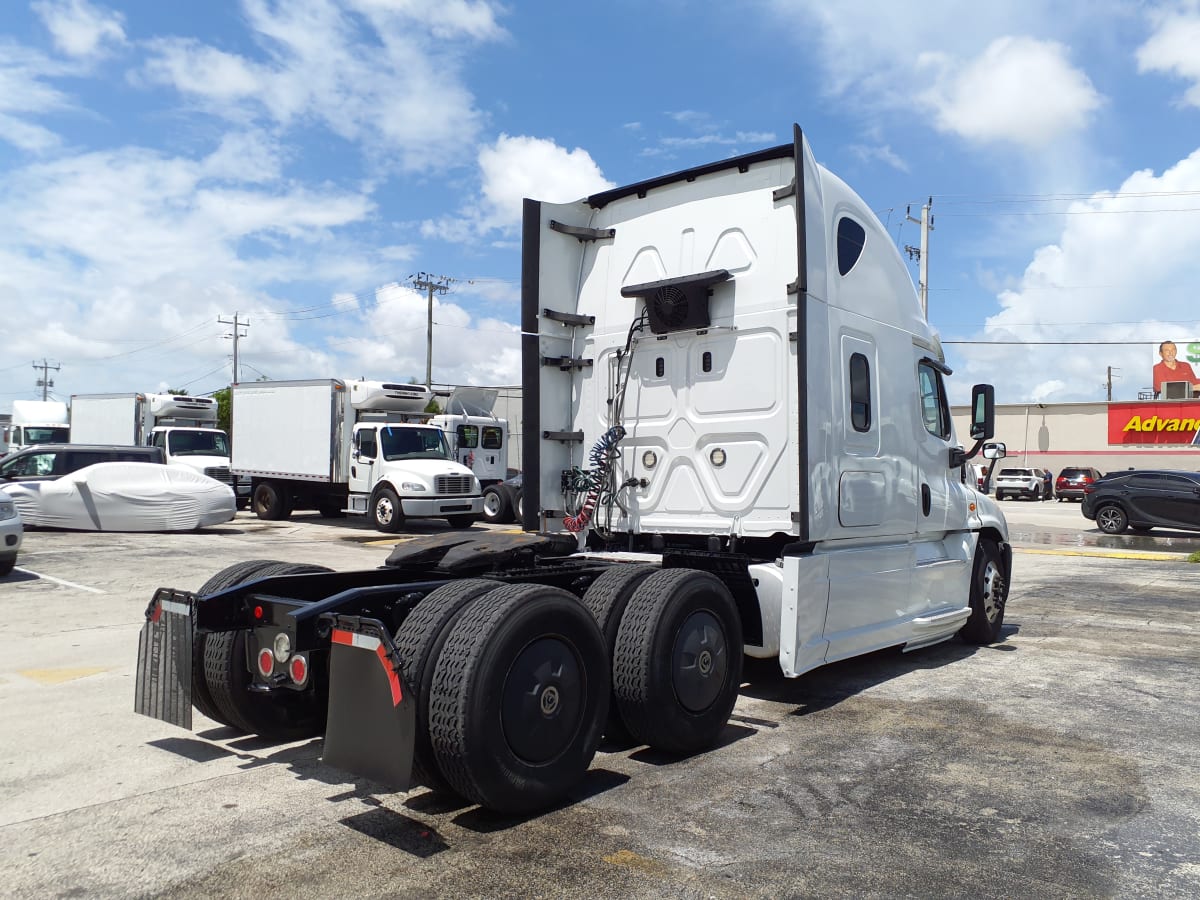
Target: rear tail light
pixel 298 669
pixel 266 662
pixel 1089 488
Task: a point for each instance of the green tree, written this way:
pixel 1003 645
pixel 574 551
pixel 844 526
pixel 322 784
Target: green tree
pixel 224 409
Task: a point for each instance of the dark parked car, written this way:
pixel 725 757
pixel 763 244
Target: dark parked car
pixel 1072 480
pixel 1142 500
pixel 46 462
pixel 502 502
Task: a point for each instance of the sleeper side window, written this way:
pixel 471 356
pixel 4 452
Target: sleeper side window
pixel 850 240
pixel 860 392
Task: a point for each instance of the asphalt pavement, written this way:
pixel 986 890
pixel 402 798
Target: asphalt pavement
pixel 1060 762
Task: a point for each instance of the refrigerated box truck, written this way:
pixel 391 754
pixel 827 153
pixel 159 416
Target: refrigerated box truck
pixel 357 447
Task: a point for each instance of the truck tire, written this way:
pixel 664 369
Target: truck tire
pixel 386 513
pixel 464 520
pixel 989 592
pixel 271 501
pixel 496 507
pixel 420 640
pixel 606 599
pixel 519 697
pixel 238 573
pixel 282 715
pixel 677 665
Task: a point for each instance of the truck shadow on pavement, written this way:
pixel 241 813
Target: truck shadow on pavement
pixel 829 685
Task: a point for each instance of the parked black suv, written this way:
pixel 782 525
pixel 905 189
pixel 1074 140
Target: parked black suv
pixel 46 462
pixel 1144 499
pixel 1072 480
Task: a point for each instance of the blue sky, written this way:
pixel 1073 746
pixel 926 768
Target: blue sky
pixel 165 165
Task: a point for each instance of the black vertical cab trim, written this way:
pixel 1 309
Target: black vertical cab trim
pixel 802 501
pixel 531 393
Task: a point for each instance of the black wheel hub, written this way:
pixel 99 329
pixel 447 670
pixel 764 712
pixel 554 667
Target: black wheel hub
pixel 542 700
pixel 700 661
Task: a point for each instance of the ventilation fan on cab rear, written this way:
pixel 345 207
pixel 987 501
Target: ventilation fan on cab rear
pixel 678 304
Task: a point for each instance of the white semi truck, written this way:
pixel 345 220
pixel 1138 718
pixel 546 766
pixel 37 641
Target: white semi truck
pixel 185 427
pixel 37 422
pixel 354 447
pixel 477 438
pixel 737 441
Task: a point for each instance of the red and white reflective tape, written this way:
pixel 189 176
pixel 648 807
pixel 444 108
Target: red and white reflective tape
pixel 172 607
pixel 374 644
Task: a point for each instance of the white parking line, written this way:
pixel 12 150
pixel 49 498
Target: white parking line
pixel 81 587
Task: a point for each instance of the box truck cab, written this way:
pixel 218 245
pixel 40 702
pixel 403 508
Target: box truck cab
pixel 478 440
pixel 37 422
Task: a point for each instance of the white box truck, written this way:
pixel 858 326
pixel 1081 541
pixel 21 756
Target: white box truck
pixel 737 440
pixel 185 427
pixel 478 439
pixel 37 422
pixel 353 447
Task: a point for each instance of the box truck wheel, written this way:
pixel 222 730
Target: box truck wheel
pixel 280 715
pixel 519 696
pixel 677 665
pixel 496 507
pixel 271 500
pixel 386 513
pixel 989 593
pixel 238 573
pixel 606 599
pixel 419 640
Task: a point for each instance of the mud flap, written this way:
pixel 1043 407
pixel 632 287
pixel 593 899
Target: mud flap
pixel 164 666
pixel 372 716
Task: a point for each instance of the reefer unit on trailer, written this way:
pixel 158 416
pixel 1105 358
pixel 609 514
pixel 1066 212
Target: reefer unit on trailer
pixel 348 447
pixel 736 440
pixel 185 427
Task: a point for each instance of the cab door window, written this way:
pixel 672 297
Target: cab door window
pixel 368 447
pixel 493 437
pixel 935 411
pixel 468 436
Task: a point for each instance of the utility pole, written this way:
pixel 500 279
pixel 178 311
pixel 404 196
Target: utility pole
pixel 1108 380
pixel 922 253
pixel 431 283
pixel 46 382
pixel 236 323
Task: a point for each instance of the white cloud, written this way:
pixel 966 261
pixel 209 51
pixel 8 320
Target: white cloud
pixel 874 56
pixel 382 73
pixel 195 68
pixel 1172 49
pixel 1122 272
pixel 881 153
pixel 1003 95
pixel 141 252
pixel 80 28
pixel 25 92
pixel 513 168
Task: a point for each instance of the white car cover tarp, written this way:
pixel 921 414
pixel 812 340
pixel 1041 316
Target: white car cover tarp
pixel 122 496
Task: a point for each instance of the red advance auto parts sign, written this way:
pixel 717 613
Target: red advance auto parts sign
pixel 1158 422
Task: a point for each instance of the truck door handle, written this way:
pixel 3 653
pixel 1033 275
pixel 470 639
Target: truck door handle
pixel 926 499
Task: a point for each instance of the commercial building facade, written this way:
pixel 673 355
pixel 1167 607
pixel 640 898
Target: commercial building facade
pixel 1142 434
